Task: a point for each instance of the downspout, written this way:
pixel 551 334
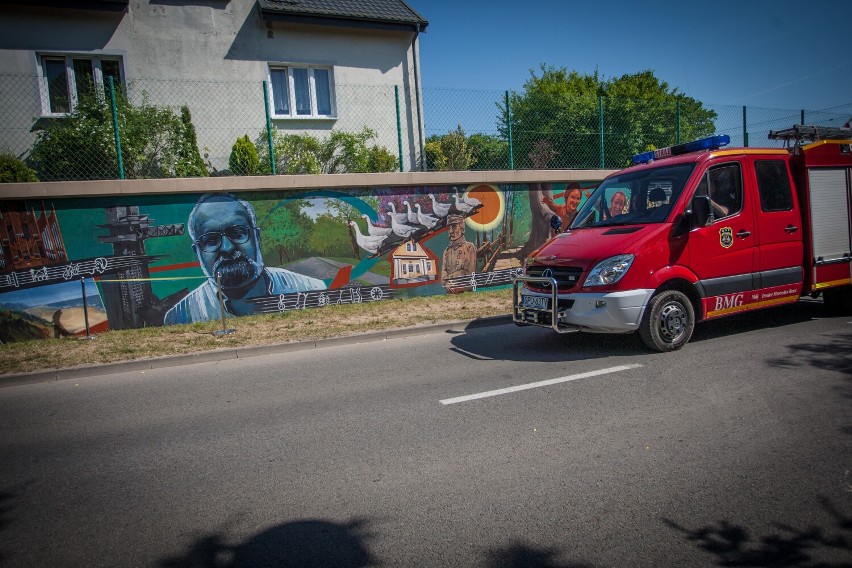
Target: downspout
pixel 420 134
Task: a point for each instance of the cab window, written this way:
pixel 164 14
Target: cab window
pixel 773 184
pixel 723 184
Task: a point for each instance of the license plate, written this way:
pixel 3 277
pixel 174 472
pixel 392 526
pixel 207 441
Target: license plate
pixel 538 302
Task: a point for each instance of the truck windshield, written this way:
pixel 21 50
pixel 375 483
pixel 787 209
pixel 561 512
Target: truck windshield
pixel 641 197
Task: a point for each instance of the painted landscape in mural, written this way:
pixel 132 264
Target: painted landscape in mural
pixel 68 266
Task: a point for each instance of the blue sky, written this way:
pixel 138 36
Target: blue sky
pixel 758 53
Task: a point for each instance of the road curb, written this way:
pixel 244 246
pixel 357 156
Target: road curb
pixel 217 355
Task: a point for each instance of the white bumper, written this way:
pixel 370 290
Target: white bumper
pixel 615 312
pixel 612 312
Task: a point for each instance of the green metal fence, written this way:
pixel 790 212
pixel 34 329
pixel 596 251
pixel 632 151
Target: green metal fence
pixel 157 128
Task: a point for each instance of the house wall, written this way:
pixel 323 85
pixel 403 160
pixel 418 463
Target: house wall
pixel 128 244
pixel 213 57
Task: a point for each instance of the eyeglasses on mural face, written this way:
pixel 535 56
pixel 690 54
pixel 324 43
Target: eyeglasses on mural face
pixel 212 241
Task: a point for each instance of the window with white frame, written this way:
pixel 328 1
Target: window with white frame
pixel 68 77
pixel 301 91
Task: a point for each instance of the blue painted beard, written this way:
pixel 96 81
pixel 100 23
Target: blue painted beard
pixel 236 270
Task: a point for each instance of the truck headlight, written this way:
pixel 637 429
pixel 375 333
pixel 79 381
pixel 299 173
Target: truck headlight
pixel 609 271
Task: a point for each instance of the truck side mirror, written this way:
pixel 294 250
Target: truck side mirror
pixel 555 223
pixel 699 211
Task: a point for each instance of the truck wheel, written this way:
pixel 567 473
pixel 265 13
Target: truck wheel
pixel 668 321
pixel 838 300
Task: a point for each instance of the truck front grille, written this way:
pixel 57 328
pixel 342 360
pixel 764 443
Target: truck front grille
pixel 566 276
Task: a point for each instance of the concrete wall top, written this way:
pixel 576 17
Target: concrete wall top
pixel 98 188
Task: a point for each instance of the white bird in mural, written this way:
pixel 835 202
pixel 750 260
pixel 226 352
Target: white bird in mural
pixel 399 228
pixel 425 219
pixel 461 205
pixel 412 216
pixel 375 231
pixel 400 218
pixel 472 201
pixel 438 208
pixel 369 243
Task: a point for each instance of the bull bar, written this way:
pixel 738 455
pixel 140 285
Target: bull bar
pixel 537 316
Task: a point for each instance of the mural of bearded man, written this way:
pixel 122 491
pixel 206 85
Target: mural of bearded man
pixel 226 239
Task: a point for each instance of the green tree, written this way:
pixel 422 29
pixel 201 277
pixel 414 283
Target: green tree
pixel 155 142
pixel 490 152
pixel 562 108
pixel 13 170
pixel 243 160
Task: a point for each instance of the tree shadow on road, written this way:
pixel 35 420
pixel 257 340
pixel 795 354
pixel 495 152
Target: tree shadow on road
pixel 298 544
pixel 520 555
pixel 813 547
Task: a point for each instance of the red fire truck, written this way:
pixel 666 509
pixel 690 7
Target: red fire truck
pixel 705 231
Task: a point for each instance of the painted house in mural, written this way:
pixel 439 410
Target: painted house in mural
pixel 324 64
pixel 412 265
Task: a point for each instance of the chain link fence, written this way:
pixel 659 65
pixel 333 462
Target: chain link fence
pixel 189 128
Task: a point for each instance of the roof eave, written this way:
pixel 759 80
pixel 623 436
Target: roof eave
pixel 96 5
pixel 343 21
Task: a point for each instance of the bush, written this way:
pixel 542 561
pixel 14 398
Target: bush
pixel 155 142
pixel 341 152
pixel 449 152
pixel 13 170
pixel 244 160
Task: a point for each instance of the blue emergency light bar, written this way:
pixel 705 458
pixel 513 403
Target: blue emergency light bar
pixel 710 143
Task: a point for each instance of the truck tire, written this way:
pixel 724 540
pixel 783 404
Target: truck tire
pixel 838 300
pixel 668 321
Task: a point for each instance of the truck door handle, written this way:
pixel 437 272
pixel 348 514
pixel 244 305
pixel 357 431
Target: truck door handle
pixel 790 229
pixel 742 233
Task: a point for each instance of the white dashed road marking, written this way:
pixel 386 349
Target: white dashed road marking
pixel 538 384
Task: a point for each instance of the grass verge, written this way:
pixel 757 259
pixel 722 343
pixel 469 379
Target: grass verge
pixel 287 327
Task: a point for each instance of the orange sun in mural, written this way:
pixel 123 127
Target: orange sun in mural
pixel 493 207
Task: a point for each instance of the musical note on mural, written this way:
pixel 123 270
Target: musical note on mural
pixel 318 299
pixel 476 280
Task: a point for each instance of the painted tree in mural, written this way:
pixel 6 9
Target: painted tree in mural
pixel 329 237
pixel 284 230
pixel 565 108
pixel 343 212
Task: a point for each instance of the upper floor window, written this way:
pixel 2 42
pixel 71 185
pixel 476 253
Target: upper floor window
pixel 68 77
pixel 301 91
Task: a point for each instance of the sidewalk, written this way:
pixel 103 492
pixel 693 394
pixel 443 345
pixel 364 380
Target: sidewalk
pixel 241 352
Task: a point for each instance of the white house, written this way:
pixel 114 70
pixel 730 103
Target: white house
pixel 325 64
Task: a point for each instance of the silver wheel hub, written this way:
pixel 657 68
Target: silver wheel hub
pixel 672 322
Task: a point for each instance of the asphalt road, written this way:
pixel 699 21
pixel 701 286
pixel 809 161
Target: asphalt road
pixel 736 450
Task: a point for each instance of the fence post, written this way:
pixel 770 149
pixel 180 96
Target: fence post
pixel 601 127
pixel 115 128
pixel 269 129
pixel 85 302
pixel 509 123
pixel 398 125
pixel 745 128
pixel 677 118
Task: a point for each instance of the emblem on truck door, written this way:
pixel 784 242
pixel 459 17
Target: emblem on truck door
pixel 726 237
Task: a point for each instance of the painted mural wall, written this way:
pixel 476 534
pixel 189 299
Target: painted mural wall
pixel 152 260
